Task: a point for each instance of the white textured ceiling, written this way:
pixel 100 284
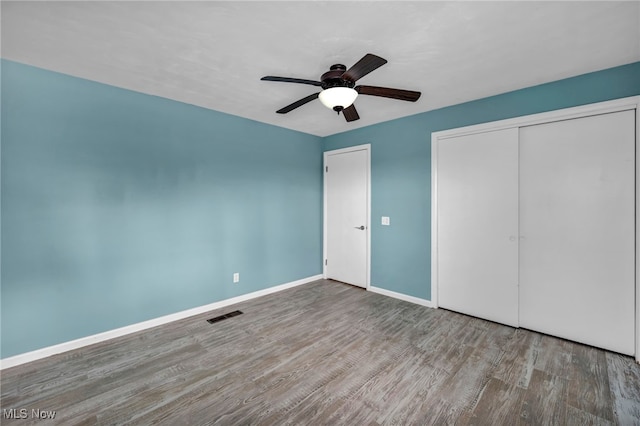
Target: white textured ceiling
pixel 212 54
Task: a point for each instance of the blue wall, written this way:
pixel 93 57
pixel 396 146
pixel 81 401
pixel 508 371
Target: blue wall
pixel 119 207
pixel 401 166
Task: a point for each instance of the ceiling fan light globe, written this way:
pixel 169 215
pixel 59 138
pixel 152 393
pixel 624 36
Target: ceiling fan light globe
pixel 338 97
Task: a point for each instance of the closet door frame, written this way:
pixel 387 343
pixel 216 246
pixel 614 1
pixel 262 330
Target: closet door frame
pixel 623 104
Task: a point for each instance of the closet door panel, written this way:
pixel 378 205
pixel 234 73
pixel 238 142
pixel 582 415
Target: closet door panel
pixel 477 225
pixel 577 229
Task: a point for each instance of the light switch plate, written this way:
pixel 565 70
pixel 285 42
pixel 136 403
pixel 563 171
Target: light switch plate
pixel 386 220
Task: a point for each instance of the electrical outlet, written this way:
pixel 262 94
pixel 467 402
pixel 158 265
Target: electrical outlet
pixel 386 221
pixel 236 277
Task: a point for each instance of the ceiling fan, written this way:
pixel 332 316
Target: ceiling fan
pixel 339 89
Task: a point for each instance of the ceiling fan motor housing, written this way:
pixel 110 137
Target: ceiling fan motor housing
pixel 333 77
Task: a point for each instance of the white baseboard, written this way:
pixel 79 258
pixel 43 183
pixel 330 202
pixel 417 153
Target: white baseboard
pixel 111 334
pixel 406 298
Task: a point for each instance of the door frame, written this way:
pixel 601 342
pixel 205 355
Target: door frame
pixel 326 154
pixel 616 105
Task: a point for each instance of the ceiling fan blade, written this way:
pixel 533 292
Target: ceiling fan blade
pixel 297 104
pixel 291 80
pixel 350 113
pixel 364 66
pixel 385 92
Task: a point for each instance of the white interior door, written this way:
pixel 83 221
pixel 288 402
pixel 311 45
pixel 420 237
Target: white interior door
pixel 347 217
pixel 477 227
pixel 577 201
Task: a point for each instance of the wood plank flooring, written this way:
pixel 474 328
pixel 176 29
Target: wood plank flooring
pixel 329 353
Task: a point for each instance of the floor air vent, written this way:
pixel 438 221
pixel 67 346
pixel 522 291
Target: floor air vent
pixel 223 317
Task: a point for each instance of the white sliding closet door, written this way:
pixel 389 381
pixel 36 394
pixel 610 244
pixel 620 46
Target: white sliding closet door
pixel 477 228
pixel 577 230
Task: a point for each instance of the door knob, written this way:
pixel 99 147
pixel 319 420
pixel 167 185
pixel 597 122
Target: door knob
pixel 360 227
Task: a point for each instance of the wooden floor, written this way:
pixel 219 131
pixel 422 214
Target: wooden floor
pixel 329 353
